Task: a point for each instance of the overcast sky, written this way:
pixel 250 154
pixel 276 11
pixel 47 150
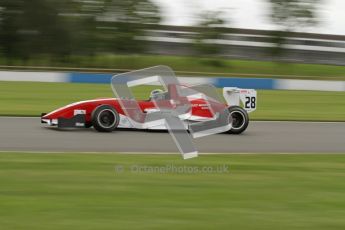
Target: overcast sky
pixel 252 14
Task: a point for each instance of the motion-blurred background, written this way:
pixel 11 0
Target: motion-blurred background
pixel 89 33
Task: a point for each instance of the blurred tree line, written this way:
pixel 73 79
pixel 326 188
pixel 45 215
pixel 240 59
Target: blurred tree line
pixel 289 15
pixel 59 29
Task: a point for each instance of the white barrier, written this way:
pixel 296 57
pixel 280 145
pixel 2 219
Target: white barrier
pixel 317 85
pixel 33 76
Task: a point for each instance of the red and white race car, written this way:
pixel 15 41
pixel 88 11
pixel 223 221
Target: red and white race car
pixel 105 115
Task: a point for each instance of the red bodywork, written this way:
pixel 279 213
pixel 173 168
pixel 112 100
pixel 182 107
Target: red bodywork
pixel 200 108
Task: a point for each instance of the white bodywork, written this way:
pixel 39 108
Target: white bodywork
pixel 234 96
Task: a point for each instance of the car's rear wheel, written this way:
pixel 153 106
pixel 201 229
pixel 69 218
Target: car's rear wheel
pixel 105 118
pixel 240 119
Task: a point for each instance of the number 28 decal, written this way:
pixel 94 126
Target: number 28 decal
pixel 250 103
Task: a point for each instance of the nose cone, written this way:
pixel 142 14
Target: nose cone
pixel 63 112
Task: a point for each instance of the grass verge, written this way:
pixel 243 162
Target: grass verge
pixel 186 65
pixel 32 98
pixel 84 191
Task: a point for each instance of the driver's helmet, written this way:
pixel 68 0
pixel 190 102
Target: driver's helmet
pixel 155 94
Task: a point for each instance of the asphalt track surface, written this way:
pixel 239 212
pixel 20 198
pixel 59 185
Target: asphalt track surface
pixel 28 134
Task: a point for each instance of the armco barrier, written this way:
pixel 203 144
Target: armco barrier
pixel 253 83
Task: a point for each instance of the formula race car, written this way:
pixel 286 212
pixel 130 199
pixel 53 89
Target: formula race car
pixel 108 114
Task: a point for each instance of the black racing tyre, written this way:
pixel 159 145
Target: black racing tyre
pixel 105 118
pixel 240 119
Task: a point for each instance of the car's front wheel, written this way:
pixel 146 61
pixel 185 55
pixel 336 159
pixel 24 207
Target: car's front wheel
pixel 240 119
pixel 105 118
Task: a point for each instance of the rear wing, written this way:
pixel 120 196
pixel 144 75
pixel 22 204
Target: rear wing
pixel 245 97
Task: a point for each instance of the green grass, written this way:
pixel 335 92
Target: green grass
pixel 83 191
pixel 212 67
pixel 31 99
pixel 300 105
